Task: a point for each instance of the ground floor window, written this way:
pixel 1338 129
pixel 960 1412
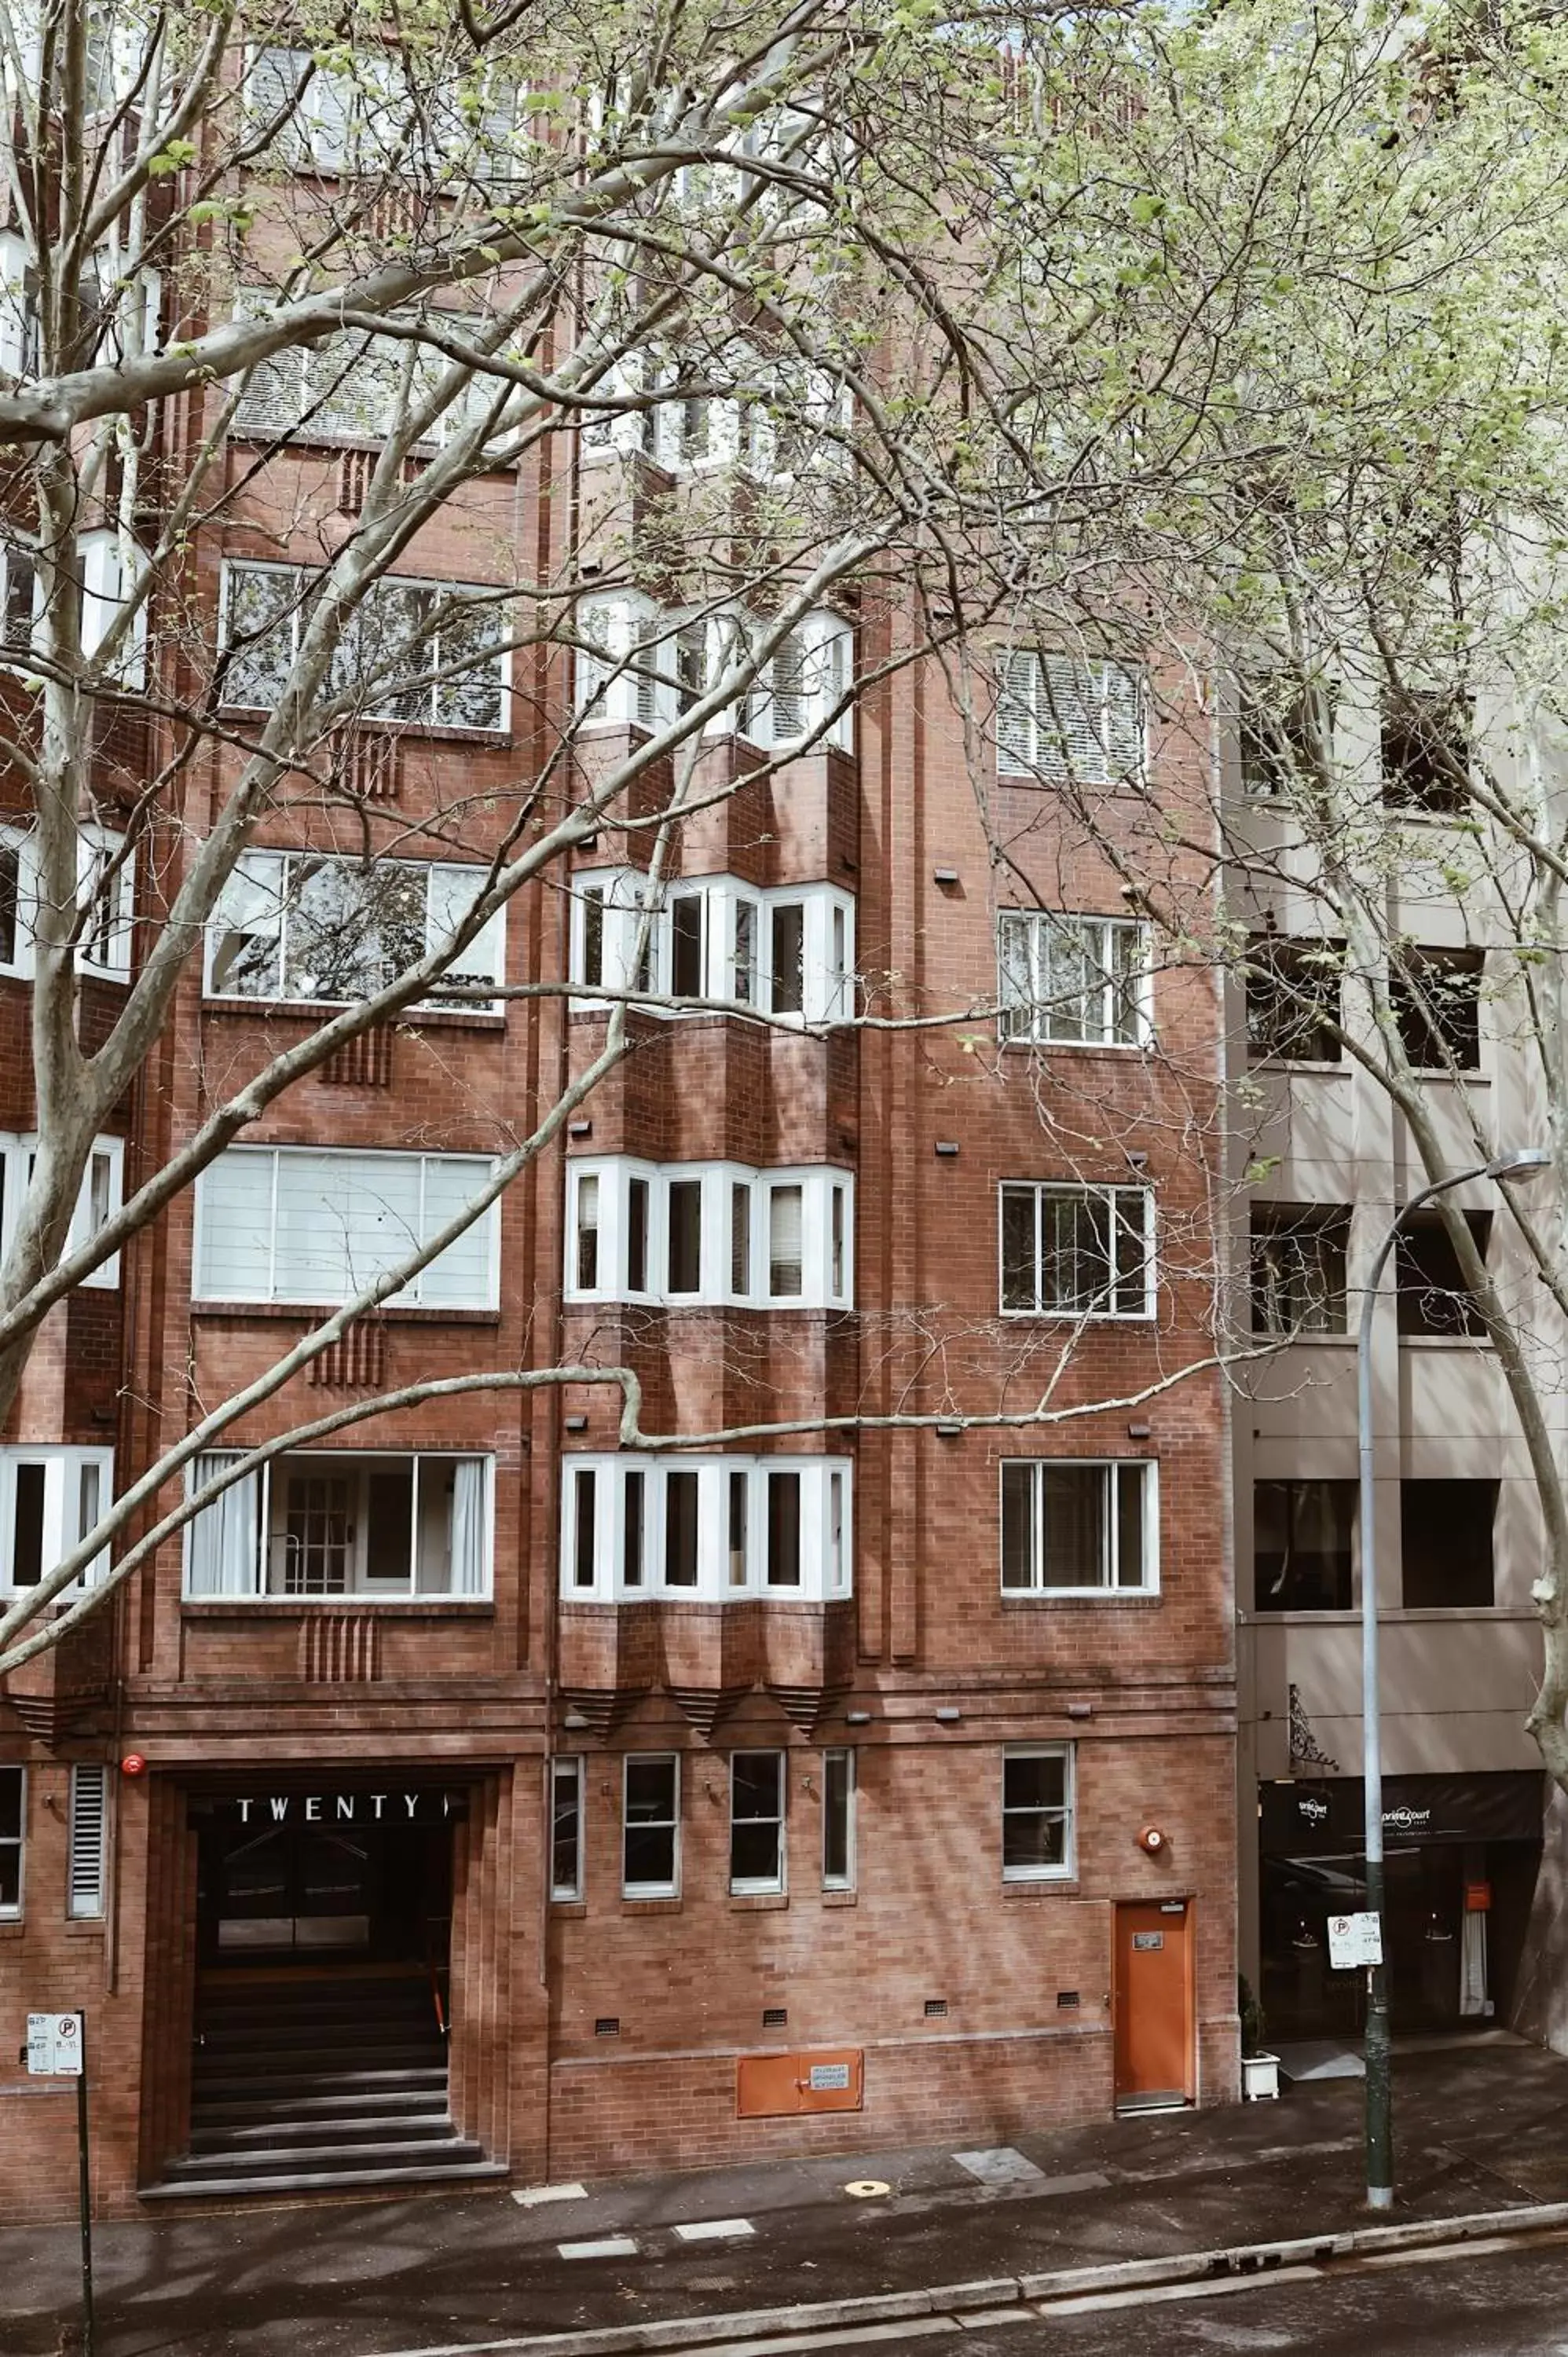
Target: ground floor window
pixel 650 1826
pixel 756 1790
pixel 13 1827
pixel 1036 1812
pixel 565 1829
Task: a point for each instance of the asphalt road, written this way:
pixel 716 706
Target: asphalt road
pixel 1502 2304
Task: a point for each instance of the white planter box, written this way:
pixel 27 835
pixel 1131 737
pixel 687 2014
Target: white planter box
pixel 1260 2077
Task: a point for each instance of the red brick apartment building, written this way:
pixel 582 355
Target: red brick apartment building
pixel 469 1798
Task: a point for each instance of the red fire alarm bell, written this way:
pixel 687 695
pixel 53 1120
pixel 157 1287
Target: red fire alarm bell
pixel 1152 1839
pixel 133 1764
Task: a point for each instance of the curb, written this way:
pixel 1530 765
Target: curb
pixel 1002 2291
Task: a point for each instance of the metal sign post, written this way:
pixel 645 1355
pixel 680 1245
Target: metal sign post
pixel 56 2048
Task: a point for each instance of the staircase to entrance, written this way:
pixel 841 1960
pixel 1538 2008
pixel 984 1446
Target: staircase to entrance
pixel 319 2080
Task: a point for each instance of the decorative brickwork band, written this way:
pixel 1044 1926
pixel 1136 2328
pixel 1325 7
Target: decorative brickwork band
pixel 803 1707
pixel 363 1063
pixel 604 1707
pixel 340 1648
pixel 705 1705
pixel 356 1361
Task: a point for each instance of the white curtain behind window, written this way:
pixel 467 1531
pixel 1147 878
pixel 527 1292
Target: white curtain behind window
pixel 468 1526
pixel 224 1537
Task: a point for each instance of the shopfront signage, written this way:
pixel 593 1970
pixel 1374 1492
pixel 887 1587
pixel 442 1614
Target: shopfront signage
pixel 264 1810
pixel 1325 1817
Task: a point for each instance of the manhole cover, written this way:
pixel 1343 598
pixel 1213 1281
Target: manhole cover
pixel 867 2189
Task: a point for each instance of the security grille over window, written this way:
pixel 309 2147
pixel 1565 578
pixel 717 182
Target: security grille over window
pixel 1064 719
pixel 87 1872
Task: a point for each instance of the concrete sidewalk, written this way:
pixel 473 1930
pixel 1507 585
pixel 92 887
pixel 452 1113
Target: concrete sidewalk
pixel 1479 2129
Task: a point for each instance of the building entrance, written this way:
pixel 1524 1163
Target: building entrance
pixel 1153 2004
pixel 293 1878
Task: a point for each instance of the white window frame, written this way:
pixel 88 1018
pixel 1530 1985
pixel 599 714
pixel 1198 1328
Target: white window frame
pixel 1068 1870
pixel 409 1295
pixel 826 1529
pixel 671 1888
pixel 254 873
pixel 827 955
pixel 566 1768
pixel 1028 1021
pixel 337 146
pixel 1121 1200
pixel 391 585
pixel 105 953
pixel 827 1243
pixel 1111 1470
pixel 63 1523
pixel 14 1913
pixel 106 1159
pixel 102 566
pixel 267 1498
pixel 313 378
pixel 632 682
pixel 755 1886
pixel 87 1899
pixel 848 1879
pixel 1037 693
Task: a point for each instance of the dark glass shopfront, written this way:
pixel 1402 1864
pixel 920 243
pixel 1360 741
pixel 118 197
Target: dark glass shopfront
pixel 1461 1855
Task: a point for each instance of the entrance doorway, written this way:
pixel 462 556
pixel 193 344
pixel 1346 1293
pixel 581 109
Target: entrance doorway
pixel 287 1893
pixel 1151 2000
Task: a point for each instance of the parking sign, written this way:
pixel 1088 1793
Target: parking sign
pixel 54 2045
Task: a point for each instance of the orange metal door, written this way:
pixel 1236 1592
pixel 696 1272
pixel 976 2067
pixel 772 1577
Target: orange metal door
pixel 1153 2003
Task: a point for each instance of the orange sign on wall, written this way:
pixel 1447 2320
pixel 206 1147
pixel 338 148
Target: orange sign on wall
pixel 779 2086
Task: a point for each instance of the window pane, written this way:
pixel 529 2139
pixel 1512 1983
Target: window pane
pixel 1132 1482
pixel 633 1528
pixel 565 1830
pixel 593 935
pixel 740 1238
pixel 783 1529
pixel 743 979
pixel 1017 1526
pixel 389 1523
pixel 1075 1499
pixel 10 1803
pixel 1301 1545
pixel 789 958
pixel 680 1529
pixel 786 1269
pixel 1018 1271
pixel 686 946
pixel 685 1203
pixel 637 1236
pixel 1446 1530
pixel 587 1233
pixel 757 1808
pixel 584 1495
pixel 27 1528
pixel 838 1785
pixel 739 1487
pixel 648 1833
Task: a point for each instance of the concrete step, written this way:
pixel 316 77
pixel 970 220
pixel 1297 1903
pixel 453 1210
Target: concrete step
pixel 389 2152
pixel 409 2102
pixel 290 2129
pixel 271 2086
pixel 343 2180
pixel 209 2067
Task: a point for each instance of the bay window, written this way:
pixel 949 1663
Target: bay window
pixel 431 654
pixel 1080 1529
pixel 788 951
pixel 98 1200
pixel 315 1225
pixel 639 665
pixel 105 887
pixel 320 1524
pixel 708 1529
pixel 1081 1252
pixel 709 1234
pixel 311 926
pixel 50 1500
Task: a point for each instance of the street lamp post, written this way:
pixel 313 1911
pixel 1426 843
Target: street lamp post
pixel 1527 1162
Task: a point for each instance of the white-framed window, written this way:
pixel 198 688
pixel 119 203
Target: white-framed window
pixel 1068 720
pixel 100 1195
pixel 787 951
pixel 566 1827
pixel 50 1500
pixel 650 1826
pixel 1080 1529
pixel 313 926
pixel 711 1529
pixel 316 1224
pixel 13 1838
pixel 87 1867
pixel 637 666
pixel 106 571
pixel 374 117
pixel 758 1790
pixel 1038 1829
pixel 431 654
pixel 105 894
pixel 320 1523
pixel 354 387
pixel 1077 1251
pixel 1073 982
pixel 839 1787
pixel 693 1233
